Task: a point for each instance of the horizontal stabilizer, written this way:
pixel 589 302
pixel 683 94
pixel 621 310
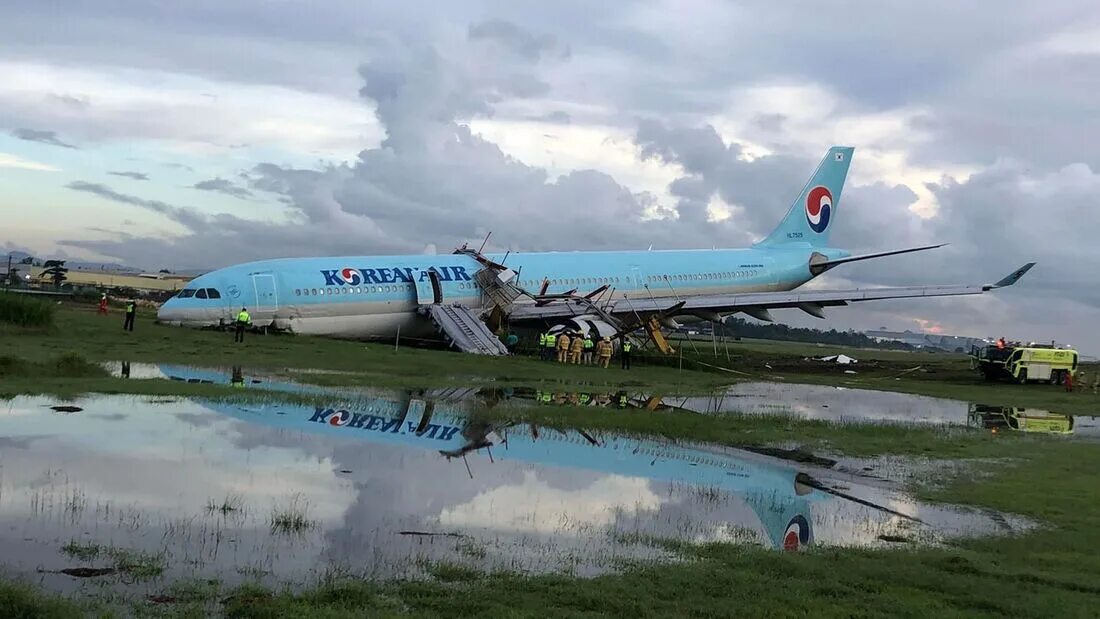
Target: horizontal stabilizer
pixel 825 265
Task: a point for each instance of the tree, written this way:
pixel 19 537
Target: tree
pixel 55 270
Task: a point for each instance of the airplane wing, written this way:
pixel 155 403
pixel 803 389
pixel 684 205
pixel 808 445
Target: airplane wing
pixel 758 303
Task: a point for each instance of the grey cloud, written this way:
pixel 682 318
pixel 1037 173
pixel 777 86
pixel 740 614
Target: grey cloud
pixel 517 39
pixel 759 187
pixel 431 182
pixel 43 136
pixel 556 117
pixel 137 176
pixel 76 103
pixel 187 217
pixel 771 123
pixel 1031 108
pixel 220 185
pixel 982 97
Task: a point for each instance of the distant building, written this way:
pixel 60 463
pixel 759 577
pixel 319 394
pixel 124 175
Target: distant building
pixel 147 282
pixel 948 343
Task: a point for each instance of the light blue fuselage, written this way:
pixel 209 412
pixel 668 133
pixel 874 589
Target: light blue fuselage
pixel 373 296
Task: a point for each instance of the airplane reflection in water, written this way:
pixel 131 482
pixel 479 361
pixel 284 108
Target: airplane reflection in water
pixel 790 502
pixel 741 398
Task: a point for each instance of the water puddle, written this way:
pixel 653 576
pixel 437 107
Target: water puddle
pixel 748 398
pixel 134 491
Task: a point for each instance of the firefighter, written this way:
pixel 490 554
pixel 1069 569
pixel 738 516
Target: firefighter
pixel 131 313
pixel 589 346
pixel 563 347
pixel 575 349
pixel 243 320
pixel 603 351
pixel 102 305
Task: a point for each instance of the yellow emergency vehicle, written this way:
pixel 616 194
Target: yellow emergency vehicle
pixel 1021 419
pixel 1024 364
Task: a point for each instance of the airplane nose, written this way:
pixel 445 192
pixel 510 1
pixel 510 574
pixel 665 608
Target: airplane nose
pixel 169 313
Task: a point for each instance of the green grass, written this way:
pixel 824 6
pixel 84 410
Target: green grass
pixel 135 564
pixel 100 338
pixel 933 374
pixel 813 435
pixel 230 504
pixel 24 310
pixel 1050 571
pixel 292 518
pixel 23 601
pixel 64 366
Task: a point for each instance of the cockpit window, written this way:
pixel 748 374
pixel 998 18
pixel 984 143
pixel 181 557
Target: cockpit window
pixel 212 293
pixel 201 294
pixel 187 293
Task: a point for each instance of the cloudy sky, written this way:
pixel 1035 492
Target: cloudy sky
pixel 199 134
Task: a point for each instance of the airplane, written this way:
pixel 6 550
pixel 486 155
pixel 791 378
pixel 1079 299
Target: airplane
pixel 375 297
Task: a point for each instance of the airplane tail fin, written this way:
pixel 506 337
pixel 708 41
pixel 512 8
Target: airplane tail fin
pixel 814 211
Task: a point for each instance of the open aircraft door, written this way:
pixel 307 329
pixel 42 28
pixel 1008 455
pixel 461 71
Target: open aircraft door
pixel 429 290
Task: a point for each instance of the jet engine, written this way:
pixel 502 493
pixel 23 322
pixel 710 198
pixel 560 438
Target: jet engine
pixel 588 324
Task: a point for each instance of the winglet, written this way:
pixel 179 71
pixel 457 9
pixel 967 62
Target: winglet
pixel 1014 277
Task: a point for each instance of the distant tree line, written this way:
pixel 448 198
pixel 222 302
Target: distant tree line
pixel 777 331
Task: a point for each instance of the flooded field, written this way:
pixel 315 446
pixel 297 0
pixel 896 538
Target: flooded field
pixel 746 398
pixel 124 491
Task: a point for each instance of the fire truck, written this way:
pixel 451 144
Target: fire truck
pixel 1024 364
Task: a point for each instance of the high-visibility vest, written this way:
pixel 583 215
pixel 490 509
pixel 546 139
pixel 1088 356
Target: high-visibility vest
pixel 542 339
pixel 588 343
pixel 244 317
pixel 130 308
pixel 627 346
pixel 551 340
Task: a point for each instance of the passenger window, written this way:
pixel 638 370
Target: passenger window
pixel 297 292
pixel 213 293
pixel 314 291
pixel 201 294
